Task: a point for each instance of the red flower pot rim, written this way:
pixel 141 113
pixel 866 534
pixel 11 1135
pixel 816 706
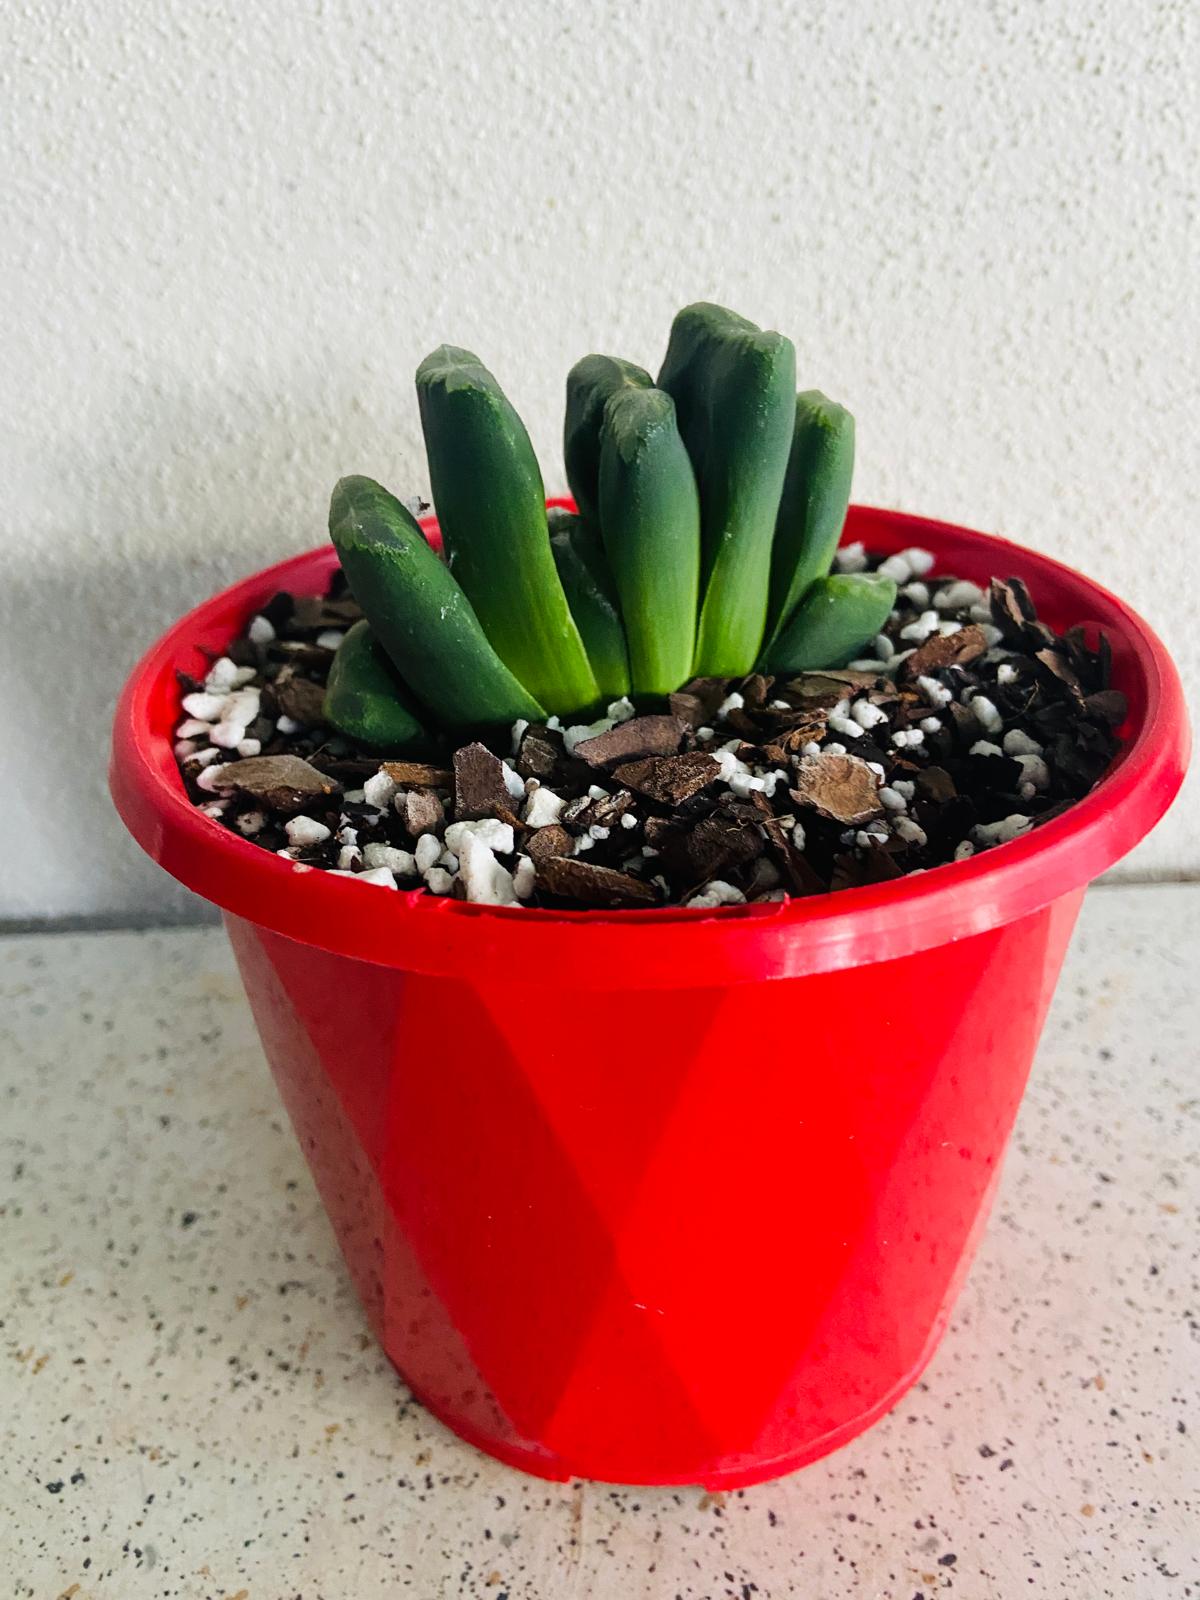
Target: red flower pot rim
pixel 671 947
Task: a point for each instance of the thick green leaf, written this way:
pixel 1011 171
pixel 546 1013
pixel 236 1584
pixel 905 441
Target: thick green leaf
pixel 694 333
pixel 590 385
pixel 492 512
pixel 592 596
pixel 650 524
pixel 734 387
pixel 365 699
pixel 830 626
pixel 816 495
pixel 418 612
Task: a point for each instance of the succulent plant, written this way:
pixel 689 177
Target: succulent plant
pixel 709 508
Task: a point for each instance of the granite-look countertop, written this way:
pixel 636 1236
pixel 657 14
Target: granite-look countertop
pixel 191 1405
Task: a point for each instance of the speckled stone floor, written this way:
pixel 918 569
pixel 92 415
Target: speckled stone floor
pixel 190 1404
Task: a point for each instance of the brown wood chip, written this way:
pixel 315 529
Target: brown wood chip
pixel 479 787
pixel 1056 662
pixel 299 653
pixel 945 650
pixel 1110 705
pixel 754 691
pixel 317 614
pixel 710 693
pixel 669 779
pixel 607 813
pixel 743 724
pixel 629 741
pixel 1011 606
pixel 592 886
pixel 816 691
pixel 842 788
pixel 794 740
pixel 688 708
pixel 935 783
pixel 299 698
pixel 417 775
pixel 281 783
pixel 657 830
pixel 541 752
pixel 717 845
pixel 422 812
pixel 872 866
pixel 552 840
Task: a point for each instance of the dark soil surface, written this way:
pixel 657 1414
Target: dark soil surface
pixel 967 724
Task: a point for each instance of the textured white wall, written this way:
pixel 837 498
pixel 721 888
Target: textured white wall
pixel 233 230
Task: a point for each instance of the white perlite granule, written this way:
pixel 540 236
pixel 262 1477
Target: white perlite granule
pixel 1018 743
pixel 223 674
pixel 896 568
pixel 1035 771
pixel 866 714
pixel 427 850
pixel 378 875
pixel 379 791
pixel 203 706
pixel 958 596
pixel 490 831
pixel 936 693
pixel 524 877
pixel 717 893
pixel 486 881
pixel 1011 827
pixel 986 714
pixel 851 557
pixel 917 632
pixel 542 808
pixel 397 861
pixel 304 830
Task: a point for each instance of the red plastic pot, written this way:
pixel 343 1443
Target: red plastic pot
pixel 659 1197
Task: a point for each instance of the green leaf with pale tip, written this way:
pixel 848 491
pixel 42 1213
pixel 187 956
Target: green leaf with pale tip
pixel 836 618
pixel 650 525
pixel 491 507
pixel 812 509
pixel 365 699
pixel 592 596
pixel 591 383
pixel 734 386
pixel 418 612
pixel 694 333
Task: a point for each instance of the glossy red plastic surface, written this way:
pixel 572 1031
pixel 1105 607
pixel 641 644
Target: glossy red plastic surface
pixel 718 1235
